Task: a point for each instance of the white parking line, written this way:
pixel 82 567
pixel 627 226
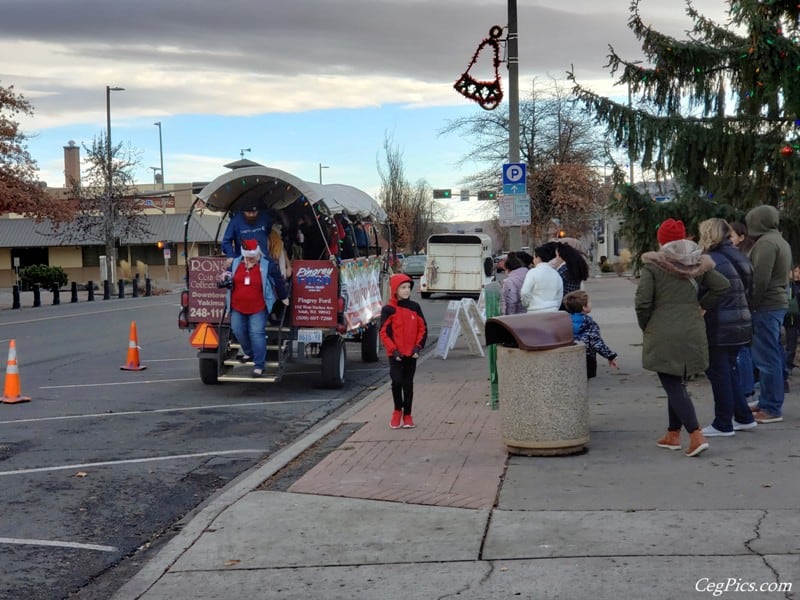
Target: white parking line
pixel 128 461
pixel 83 314
pixel 162 410
pixel 80 385
pixel 58 544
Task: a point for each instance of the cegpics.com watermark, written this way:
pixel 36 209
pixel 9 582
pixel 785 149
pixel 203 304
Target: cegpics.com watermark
pixel 737 584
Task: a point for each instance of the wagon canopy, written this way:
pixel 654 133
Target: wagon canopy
pixel 279 189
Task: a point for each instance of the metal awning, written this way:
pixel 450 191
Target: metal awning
pixel 278 189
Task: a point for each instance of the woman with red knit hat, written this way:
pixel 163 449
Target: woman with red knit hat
pixel 671 318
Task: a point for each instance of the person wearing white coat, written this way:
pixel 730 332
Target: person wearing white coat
pixel 543 288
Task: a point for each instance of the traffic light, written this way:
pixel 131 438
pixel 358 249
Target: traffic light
pixel 487 195
pixel 442 194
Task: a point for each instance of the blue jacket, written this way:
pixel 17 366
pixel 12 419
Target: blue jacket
pixel 271 279
pixel 728 323
pixel 239 229
pixel 586 330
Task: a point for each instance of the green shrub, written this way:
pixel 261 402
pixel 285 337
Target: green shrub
pixel 46 277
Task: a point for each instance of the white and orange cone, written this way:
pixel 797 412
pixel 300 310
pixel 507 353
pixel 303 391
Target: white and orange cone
pixel 133 352
pixel 11 391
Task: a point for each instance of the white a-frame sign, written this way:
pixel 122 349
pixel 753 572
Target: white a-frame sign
pixel 462 317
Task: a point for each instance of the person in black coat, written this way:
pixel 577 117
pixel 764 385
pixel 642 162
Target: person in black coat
pixel 729 327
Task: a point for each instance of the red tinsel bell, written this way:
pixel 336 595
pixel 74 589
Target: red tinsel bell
pixel 787 150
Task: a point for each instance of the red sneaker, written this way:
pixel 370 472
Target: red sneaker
pixel 395 422
pixel 408 422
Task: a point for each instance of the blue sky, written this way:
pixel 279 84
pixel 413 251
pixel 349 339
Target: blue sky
pixel 300 83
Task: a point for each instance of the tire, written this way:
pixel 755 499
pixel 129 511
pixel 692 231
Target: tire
pixel 208 370
pixel 333 356
pixel 425 295
pixel 371 344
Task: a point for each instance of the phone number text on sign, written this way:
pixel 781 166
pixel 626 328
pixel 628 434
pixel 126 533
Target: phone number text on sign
pixel 206 299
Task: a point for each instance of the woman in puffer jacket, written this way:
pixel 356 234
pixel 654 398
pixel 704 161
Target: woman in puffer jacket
pixel 729 327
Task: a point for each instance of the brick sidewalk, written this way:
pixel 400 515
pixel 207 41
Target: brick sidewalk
pixel 454 457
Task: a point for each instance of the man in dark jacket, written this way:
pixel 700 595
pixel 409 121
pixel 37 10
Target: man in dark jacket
pixel 771 256
pixel 251 222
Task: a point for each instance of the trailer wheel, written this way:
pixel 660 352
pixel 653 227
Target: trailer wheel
pixel 370 344
pixel 333 356
pixel 425 295
pixel 208 370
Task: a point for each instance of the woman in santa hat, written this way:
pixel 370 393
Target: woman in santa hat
pixel 257 284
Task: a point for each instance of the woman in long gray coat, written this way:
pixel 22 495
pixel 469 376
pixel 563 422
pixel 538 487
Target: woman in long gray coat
pixel 671 317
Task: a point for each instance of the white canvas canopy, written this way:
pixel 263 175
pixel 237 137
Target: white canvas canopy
pixel 278 189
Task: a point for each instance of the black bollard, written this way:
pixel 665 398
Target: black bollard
pixel 74 292
pixel 56 295
pixel 148 287
pixel 121 288
pixel 15 294
pixel 37 298
pixel 106 290
pixel 90 289
pixel 135 291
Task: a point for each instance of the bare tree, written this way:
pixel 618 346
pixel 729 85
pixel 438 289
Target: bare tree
pixel 19 190
pixel 411 209
pixel 106 210
pixel 558 142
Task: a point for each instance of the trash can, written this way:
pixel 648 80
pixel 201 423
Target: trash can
pixel 544 410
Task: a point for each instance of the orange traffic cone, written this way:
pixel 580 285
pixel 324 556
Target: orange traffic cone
pixel 11 394
pixel 133 352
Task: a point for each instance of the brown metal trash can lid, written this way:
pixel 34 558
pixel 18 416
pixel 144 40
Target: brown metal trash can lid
pixel 531 331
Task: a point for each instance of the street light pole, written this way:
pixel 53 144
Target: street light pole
pixel 515 232
pixel 108 217
pixel 630 122
pixel 160 152
pixel 321 166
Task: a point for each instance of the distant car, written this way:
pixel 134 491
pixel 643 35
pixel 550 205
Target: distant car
pixel 414 265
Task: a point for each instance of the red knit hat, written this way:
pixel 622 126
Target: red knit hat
pixel 671 230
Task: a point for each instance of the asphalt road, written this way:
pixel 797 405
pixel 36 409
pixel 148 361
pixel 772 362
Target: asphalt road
pixel 102 465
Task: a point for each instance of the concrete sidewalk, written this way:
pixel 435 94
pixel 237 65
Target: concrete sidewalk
pixel 442 511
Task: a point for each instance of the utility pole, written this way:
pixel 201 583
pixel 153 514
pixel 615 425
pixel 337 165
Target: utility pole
pixel 515 232
pixel 109 214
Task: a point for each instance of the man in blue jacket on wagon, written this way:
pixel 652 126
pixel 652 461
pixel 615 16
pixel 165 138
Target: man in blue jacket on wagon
pixel 250 222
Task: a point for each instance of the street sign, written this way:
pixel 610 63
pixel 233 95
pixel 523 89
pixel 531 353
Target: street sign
pixel 514 189
pixel 465 195
pixel 515 211
pixel 514 173
pixel 167 254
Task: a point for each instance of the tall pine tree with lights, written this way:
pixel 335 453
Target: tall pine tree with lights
pixel 719 112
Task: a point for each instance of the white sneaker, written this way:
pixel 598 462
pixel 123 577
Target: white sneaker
pixel 712 431
pixel 744 426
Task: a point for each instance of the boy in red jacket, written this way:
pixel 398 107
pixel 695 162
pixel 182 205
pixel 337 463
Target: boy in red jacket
pixel 403 333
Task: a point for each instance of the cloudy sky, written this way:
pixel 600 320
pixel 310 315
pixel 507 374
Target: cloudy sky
pixel 299 82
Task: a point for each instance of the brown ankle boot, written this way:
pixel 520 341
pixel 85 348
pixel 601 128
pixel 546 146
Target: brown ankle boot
pixel 670 441
pixel 697 443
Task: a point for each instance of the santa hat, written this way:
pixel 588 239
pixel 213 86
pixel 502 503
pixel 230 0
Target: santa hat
pixel 250 249
pixel 670 231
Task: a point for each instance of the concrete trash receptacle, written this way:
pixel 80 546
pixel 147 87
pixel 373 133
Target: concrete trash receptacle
pixel 544 409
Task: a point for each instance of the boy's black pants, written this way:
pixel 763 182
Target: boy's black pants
pixel 401 373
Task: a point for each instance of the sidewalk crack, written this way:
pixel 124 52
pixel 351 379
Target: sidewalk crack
pixel 748 544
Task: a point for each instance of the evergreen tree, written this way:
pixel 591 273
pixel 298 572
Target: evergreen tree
pixel 718 111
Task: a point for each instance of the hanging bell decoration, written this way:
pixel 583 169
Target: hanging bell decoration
pixel 787 150
pixel 488 94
